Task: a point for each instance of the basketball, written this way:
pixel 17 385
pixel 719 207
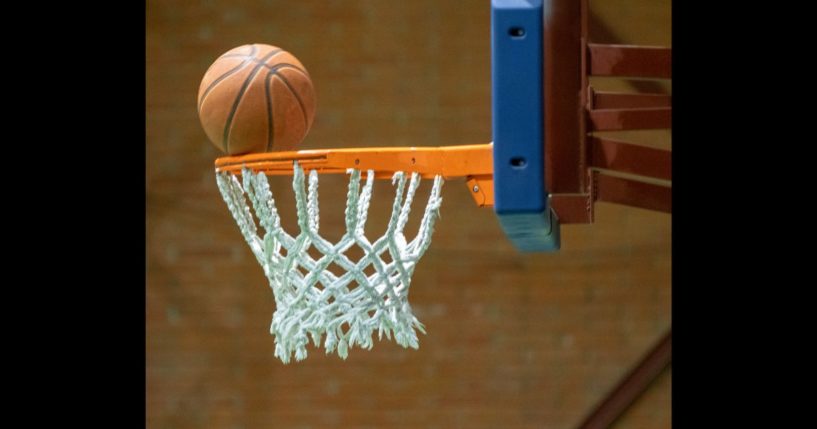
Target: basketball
pixel 256 98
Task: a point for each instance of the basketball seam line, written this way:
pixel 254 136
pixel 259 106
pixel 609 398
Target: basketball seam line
pixel 270 121
pixel 224 76
pixel 269 67
pixel 297 97
pixel 244 86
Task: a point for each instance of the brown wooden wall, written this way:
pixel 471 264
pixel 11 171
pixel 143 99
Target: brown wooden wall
pixel 514 341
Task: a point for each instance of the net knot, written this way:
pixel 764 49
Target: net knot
pixel 342 310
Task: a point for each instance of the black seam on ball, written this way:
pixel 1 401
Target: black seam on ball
pixel 270 121
pixel 276 66
pixel 297 97
pixel 228 125
pixel 225 76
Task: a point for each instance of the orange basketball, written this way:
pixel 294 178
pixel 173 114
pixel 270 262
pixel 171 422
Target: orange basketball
pixel 256 98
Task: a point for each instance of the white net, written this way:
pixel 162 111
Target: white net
pixel 347 309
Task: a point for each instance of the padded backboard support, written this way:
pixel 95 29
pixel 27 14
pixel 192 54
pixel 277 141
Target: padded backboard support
pixel 521 199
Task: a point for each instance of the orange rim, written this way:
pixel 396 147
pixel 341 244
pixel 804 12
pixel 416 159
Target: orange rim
pixel 447 161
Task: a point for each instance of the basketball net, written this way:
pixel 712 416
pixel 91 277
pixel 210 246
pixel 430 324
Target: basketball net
pixel 349 308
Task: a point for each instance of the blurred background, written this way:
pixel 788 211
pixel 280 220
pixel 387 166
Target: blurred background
pixel 514 340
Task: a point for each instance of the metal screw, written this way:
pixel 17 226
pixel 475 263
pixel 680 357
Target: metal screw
pixel 476 188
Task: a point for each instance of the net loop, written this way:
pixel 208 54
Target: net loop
pixel 340 311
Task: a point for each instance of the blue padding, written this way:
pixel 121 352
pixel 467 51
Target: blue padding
pixel 532 232
pixel 517 66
